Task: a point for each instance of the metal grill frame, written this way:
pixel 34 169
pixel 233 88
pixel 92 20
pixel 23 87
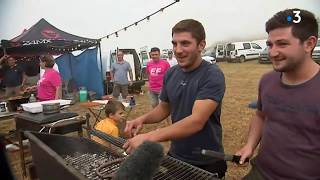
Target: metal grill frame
pixel 50 164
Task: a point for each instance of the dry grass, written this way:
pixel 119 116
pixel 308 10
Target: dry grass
pixel 242 82
pixel 242 88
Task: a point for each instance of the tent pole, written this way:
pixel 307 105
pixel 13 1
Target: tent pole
pixel 70 65
pixel 99 45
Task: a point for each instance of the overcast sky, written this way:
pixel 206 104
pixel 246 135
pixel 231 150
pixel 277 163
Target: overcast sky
pixel 224 20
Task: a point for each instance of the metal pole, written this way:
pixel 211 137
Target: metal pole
pixel 100 56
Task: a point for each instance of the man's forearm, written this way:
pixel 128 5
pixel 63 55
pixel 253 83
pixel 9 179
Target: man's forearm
pixel 201 111
pixel 158 114
pixel 24 77
pixel 255 130
pixel 2 58
pixel 131 76
pixel 181 129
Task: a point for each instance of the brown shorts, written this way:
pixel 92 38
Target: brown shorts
pixel 117 88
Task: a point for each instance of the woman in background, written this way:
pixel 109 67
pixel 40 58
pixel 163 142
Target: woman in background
pixel 49 85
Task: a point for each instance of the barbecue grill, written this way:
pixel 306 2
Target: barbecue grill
pixel 77 158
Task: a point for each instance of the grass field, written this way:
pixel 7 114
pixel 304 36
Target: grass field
pixel 242 83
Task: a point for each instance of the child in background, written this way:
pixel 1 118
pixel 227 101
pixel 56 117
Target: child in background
pixel 115 114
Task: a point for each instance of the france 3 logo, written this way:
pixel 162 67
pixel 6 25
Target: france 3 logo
pixel 296 19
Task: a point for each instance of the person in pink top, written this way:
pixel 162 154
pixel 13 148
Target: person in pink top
pixel 49 86
pixel 156 69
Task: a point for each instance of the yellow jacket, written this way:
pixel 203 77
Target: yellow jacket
pixel 108 126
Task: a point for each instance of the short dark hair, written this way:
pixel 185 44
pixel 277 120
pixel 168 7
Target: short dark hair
pixel 190 25
pixel 307 27
pixel 48 60
pixel 113 106
pixel 154 49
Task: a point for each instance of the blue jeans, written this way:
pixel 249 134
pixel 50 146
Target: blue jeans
pixel 154 97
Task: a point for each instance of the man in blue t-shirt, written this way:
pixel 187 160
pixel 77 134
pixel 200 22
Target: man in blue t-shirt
pixel 192 93
pixel 119 75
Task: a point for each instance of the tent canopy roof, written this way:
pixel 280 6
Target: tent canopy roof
pixel 43 37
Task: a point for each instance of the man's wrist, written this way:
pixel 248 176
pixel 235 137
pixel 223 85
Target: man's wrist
pixel 142 120
pixel 251 146
pixel 152 136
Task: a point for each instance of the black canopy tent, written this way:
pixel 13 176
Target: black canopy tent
pixel 44 38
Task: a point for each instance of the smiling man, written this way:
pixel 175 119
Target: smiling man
pixel 192 93
pixel 287 122
pixel 156 68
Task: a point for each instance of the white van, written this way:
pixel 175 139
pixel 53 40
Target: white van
pixel 316 52
pixel 242 51
pixel 220 51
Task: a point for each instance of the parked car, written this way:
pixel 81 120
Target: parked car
pixel 316 52
pixel 242 51
pixel 208 52
pixel 210 59
pixel 264 57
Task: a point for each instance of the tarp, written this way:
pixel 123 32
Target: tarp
pixel 45 38
pixel 83 70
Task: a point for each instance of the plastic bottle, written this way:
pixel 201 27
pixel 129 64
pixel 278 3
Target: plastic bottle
pixel 120 98
pixel 32 98
pixel 83 94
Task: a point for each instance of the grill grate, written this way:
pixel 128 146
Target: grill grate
pixel 170 168
pixel 87 164
pixel 174 169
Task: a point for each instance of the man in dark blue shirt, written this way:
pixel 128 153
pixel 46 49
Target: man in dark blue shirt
pixel 14 76
pixel 192 93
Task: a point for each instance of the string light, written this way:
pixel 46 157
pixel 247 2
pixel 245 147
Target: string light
pixel 136 23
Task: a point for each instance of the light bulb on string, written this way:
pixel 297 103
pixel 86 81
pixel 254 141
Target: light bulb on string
pixel 136 23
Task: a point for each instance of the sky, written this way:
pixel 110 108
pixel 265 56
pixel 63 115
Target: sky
pixel 224 20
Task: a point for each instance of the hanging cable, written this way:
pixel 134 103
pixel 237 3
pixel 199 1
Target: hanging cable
pixel 148 17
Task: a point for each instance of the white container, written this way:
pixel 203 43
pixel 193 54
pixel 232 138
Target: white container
pixel 36 107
